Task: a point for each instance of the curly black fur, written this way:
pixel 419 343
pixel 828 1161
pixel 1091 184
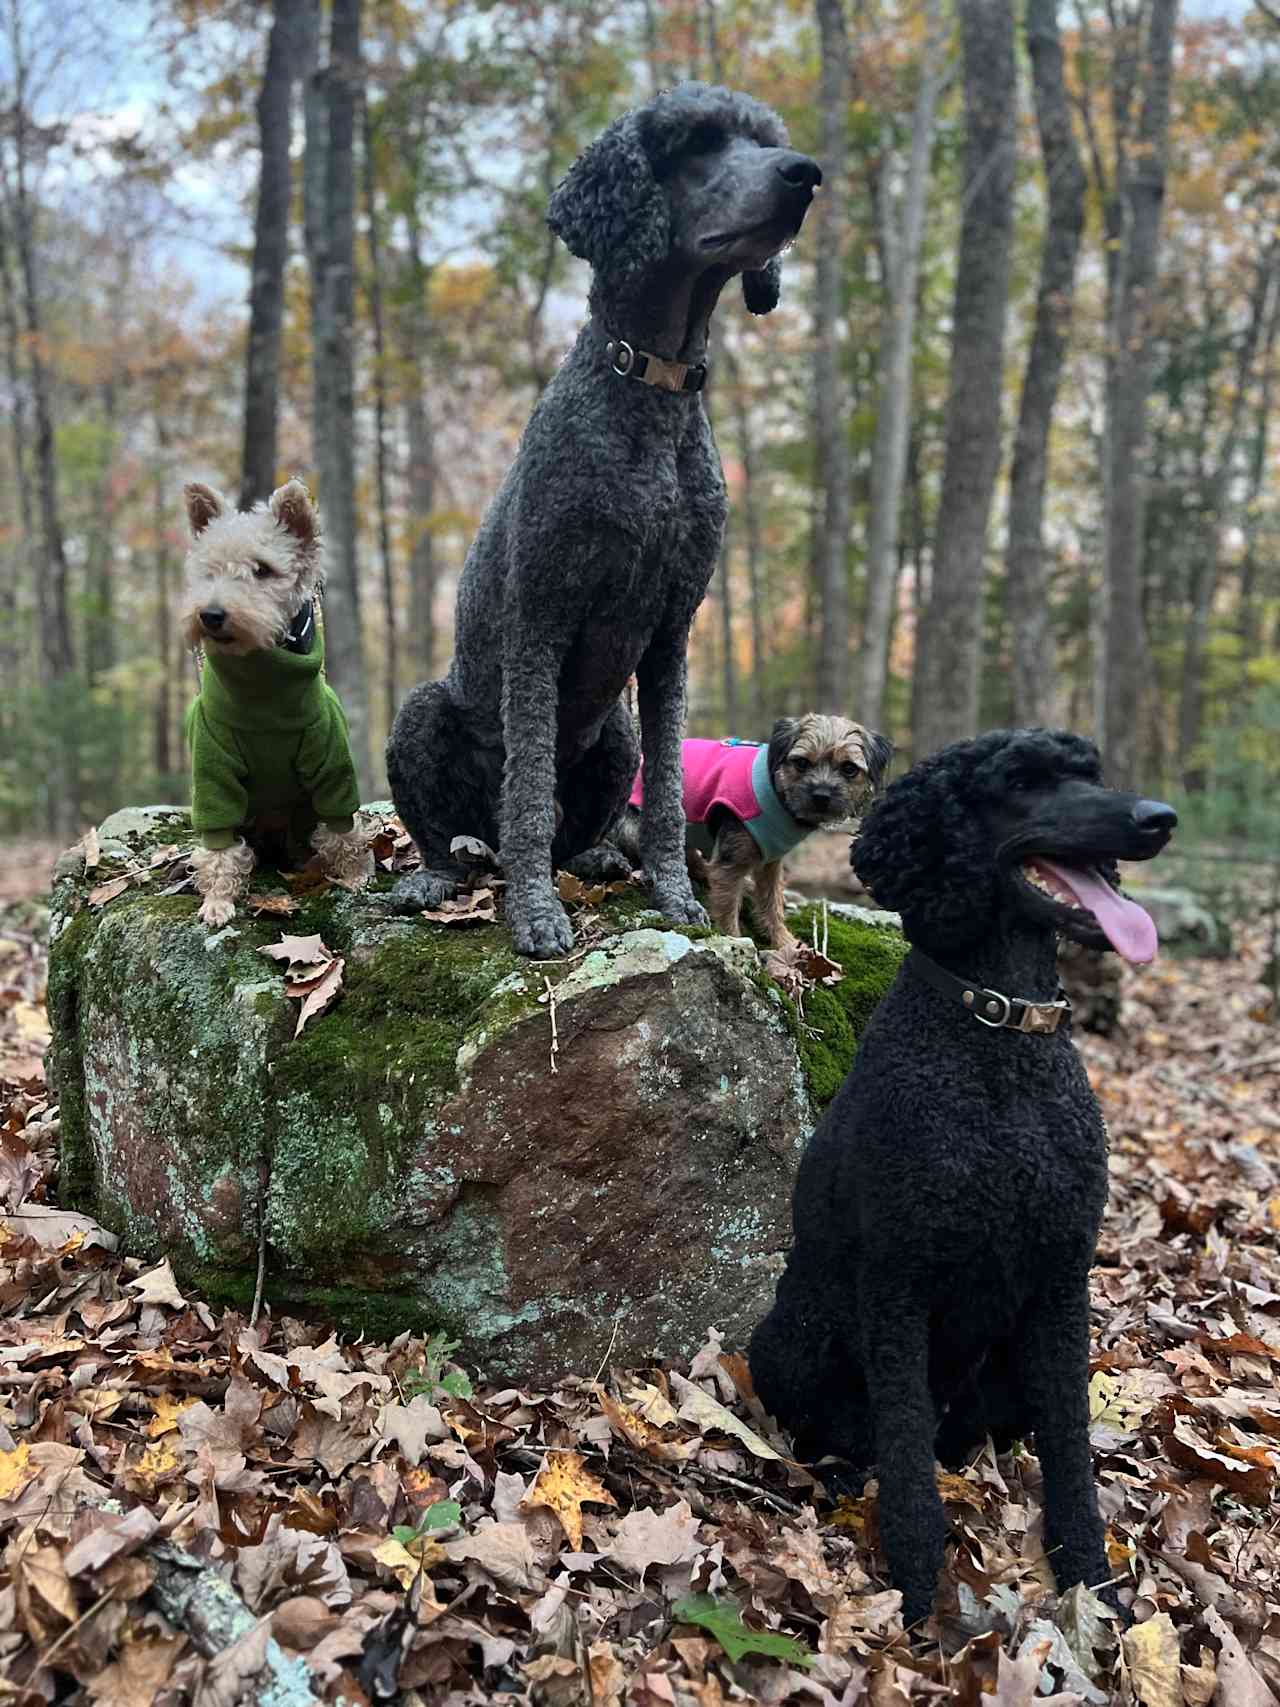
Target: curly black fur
pixel 947 1206
pixel 597 551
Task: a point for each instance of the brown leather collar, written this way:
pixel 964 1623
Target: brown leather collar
pixel 989 1007
pixel 631 363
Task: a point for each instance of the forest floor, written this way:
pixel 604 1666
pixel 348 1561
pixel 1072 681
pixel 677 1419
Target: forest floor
pixel 637 1536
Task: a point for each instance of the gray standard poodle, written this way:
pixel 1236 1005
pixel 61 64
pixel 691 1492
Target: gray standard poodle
pixel 947 1206
pixel 598 548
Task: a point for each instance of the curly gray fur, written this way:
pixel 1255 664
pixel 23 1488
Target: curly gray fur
pixel 598 548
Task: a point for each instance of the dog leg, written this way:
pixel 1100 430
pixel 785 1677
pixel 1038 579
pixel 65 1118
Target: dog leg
pixel 1053 1357
pixel 222 876
pixel 771 907
pixel 539 925
pixel 445 781
pixel 603 864
pixel 345 857
pixel 661 676
pixel 593 799
pixel 725 884
pixel 913 1524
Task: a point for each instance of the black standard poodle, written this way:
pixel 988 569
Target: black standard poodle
pixel 947 1207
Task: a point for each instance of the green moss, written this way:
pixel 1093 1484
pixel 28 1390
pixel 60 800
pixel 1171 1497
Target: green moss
pixel 835 1016
pixel 66 1078
pixel 378 1316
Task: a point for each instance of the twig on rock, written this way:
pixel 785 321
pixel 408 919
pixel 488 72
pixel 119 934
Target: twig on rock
pixel 555 1035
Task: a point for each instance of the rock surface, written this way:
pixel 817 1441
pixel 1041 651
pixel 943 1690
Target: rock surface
pixel 420 1157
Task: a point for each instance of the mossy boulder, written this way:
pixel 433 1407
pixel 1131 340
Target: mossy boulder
pixel 422 1155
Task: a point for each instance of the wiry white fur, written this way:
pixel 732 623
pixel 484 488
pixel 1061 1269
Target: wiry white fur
pixel 222 876
pixel 283 533
pixel 345 857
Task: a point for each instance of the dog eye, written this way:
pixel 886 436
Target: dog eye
pixel 262 571
pixel 849 769
pixel 799 764
pixel 704 139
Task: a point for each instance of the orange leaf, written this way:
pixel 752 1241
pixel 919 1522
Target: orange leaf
pixel 564 1487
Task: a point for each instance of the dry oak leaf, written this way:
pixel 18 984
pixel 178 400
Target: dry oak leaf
pixel 318 993
pixel 157 1286
pixel 565 1486
pixel 1151 1652
pixel 277 903
pixel 1239 1684
pixel 646 1537
pixel 502 1549
pixel 701 1409
pixel 298 950
pixel 108 891
pixel 138 1677
pixel 639 1432
pixel 168 1408
pixel 113 1535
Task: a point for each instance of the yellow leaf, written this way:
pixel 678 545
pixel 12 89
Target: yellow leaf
pixel 564 1486
pixel 16 1470
pixel 1152 1654
pixel 398 1560
pixel 158 1459
pixel 168 1408
pixel 99 1402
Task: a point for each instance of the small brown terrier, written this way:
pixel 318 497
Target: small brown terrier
pixel 747 805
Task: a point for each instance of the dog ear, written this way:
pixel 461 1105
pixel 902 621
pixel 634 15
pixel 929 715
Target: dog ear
pixel 204 505
pixel 761 290
pixel 783 734
pixel 879 751
pixel 922 852
pixel 291 506
pixel 609 209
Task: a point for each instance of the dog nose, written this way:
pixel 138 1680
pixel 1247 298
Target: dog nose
pixel 822 795
pixel 212 619
pixel 1154 815
pixel 799 170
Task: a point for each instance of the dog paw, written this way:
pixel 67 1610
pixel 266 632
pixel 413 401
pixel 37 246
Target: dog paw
pixel 215 911
pixel 539 926
pixel 421 890
pixel 676 902
pixel 603 864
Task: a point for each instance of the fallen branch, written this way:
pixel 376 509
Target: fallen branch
pixel 195 1599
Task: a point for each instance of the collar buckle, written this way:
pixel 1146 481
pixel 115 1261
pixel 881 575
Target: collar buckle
pixel 629 363
pixel 1041 1017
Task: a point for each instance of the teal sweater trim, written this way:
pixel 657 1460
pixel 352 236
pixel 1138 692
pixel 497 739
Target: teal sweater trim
pixel 268 737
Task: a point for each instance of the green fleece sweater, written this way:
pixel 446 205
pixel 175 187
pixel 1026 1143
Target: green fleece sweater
pixel 268 739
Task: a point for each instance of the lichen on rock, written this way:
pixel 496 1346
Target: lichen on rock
pixel 420 1153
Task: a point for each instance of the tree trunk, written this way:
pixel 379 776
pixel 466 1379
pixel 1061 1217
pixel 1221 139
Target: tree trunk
pixel 831 573
pixel 18 562
pixel 162 728
pixel 1065 182
pixel 57 651
pixel 1205 563
pixel 1130 358
pixel 420 443
pixel 1250 613
pixel 749 508
pixel 329 193
pixel 729 666
pixel 901 236
pixel 285 53
pixel 100 624
pixel 389 627
pixel 946 699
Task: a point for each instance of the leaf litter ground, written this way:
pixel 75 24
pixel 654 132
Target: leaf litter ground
pixel 196 1510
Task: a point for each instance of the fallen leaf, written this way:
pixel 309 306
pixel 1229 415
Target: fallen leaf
pixel 138 1677
pixel 16 1470
pixel 502 1549
pixel 1239 1684
pixel 318 995
pixel 474 908
pixel 92 851
pixel 157 1286
pixel 108 891
pixel 723 1618
pixel 1152 1655
pixel 276 903
pixel 697 1406
pixel 298 950
pixel 564 1486
pixel 646 1537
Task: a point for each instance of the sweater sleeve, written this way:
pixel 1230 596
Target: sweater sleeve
pixel 327 769
pixel 219 775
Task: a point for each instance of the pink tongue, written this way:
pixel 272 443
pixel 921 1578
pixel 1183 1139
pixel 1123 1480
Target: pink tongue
pixel 1128 927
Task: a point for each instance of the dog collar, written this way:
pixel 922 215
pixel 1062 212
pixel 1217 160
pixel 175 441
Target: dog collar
pixel 630 363
pixel 300 632
pixel 989 1007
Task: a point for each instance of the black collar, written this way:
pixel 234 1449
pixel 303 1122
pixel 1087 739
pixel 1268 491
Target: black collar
pixel 989 1006
pixel 631 363
pixel 301 631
